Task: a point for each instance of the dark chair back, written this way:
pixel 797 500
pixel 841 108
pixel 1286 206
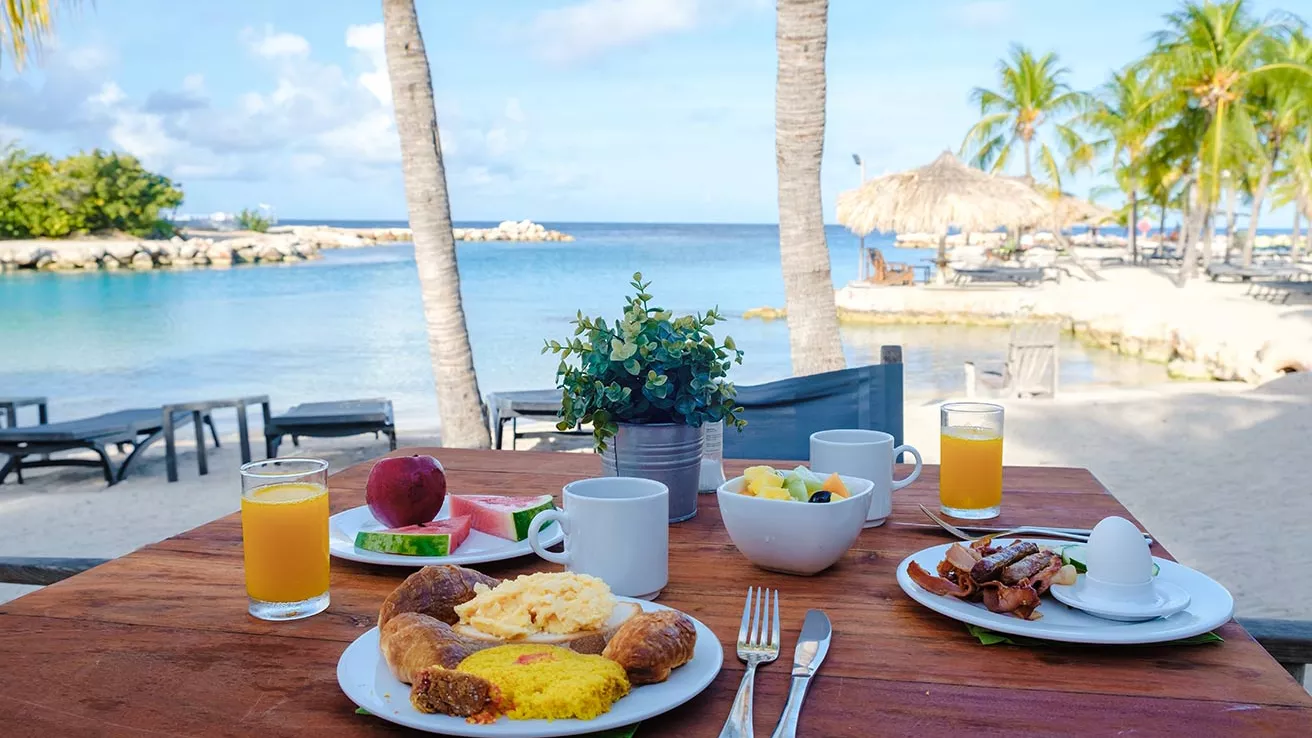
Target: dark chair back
pixel 781 416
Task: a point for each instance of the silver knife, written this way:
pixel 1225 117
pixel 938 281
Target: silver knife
pixel 812 645
pixel 998 529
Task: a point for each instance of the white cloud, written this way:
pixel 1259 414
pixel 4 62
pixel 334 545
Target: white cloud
pixel 592 27
pixel 275 45
pixel 368 40
pixel 982 13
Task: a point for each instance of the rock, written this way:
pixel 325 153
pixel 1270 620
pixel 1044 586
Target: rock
pixel 270 253
pixel 219 255
pixel 765 313
pixel 1190 370
pixel 142 260
pixel 121 250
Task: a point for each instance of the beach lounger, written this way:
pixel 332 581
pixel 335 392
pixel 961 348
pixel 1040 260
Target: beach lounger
pixel 782 415
pixel 1031 367
pixel 331 420
pixel 509 407
pixel 138 428
pixel 1025 276
pixel 1220 270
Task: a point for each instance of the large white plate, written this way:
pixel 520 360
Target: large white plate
pixel 366 680
pixel 1211 606
pixel 478 548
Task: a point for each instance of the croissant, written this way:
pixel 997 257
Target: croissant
pixel 434 591
pixel 412 641
pixel 652 644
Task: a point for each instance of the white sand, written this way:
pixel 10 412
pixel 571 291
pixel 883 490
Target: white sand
pixel 1217 471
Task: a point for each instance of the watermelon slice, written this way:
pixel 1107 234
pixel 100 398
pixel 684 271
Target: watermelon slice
pixel 438 538
pixel 504 517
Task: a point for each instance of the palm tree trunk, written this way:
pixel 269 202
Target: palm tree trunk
pixel 1232 196
pixel 1262 183
pixel 460 405
pixel 1161 227
pixel 1134 226
pixel 800 37
pixel 1293 245
pixel 1209 235
pixel 1197 214
pixel 1029 177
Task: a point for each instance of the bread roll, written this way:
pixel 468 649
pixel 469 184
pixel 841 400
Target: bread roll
pixel 434 591
pixel 411 642
pixel 652 644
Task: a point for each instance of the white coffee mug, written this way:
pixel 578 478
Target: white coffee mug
pixel 867 454
pixel 616 529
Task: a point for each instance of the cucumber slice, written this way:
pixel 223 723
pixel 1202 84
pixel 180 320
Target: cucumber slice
pixel 1074 555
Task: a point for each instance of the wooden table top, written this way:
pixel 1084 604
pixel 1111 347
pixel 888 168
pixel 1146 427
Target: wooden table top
pixel 159 641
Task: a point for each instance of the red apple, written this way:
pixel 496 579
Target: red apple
pixel 405 490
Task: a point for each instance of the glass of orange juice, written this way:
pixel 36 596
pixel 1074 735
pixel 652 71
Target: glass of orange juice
pixel 284 531
pixel 970 460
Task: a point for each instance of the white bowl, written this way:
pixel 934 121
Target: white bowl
pixel 794 537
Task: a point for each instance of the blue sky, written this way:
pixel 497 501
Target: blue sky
pixel 579 110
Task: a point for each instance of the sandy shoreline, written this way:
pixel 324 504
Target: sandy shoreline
pixel 1212 469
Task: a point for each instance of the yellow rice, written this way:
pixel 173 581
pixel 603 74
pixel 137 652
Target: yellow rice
pixel 550 682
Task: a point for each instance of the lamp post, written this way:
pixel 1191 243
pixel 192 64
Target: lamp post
pixel 861 252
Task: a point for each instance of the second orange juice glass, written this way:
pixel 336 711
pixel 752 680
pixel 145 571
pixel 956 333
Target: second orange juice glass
pixel 970 460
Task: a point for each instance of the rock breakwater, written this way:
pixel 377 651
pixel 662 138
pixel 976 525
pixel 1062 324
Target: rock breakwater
pixel 141 254
pixel 333 237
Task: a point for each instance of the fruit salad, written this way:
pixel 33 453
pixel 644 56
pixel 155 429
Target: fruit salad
pixel 799 485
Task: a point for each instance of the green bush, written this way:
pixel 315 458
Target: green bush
pixel 251 220
pixel 41 197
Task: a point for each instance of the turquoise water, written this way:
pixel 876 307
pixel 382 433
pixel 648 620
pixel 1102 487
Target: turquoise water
pixel 351 324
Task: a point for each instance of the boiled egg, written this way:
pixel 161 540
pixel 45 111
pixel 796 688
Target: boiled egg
pixel 1117 553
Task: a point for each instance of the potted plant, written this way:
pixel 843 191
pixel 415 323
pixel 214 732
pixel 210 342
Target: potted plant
pixel 647 383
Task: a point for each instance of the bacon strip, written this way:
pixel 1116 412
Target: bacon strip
pixel 1020 600
pixel 933 584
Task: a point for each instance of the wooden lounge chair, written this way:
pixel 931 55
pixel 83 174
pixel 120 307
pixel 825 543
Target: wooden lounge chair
pixel 331 420
pixel 1031 368
pixel 890 274
pixel 138 428
pixel 509 407
pixel 782 415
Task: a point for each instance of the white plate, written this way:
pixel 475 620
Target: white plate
pixel 478 548
pixel 1210 607
pixel 366 680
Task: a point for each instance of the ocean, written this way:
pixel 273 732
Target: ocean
pixel 350 324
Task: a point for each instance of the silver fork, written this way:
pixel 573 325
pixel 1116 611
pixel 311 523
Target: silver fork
pixel 1041 532
pixel 758 643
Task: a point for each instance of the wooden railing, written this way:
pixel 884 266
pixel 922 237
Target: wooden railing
pixel 1288 641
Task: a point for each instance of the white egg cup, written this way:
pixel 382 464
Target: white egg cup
pixel 1130 603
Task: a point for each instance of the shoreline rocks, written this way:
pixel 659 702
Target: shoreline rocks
pixel 332 237
pixel 83 255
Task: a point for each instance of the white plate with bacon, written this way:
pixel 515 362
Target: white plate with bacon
pixel 1013 600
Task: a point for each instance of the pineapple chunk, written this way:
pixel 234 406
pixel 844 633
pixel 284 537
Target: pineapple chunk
pixel 774 493
pixel 834 486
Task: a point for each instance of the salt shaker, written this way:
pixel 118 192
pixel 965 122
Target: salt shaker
pixel 712 470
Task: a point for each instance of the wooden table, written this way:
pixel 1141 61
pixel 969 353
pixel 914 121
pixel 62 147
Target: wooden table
pixel 159 642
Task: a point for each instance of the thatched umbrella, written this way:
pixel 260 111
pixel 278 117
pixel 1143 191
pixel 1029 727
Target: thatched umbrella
pixel 1070 210
pixel 935 198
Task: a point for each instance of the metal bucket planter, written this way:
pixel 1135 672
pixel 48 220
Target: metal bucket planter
pixel 665 452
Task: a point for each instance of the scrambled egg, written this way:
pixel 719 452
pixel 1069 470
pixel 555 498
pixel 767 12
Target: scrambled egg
pixel 539 603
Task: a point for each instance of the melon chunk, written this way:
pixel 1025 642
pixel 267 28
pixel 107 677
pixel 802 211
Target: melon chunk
pixel 438 538
pixel 501 516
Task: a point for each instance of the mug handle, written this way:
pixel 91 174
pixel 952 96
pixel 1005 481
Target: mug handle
pixel 915 473
pixel 546 516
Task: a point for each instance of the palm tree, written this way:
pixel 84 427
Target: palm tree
pixel 800 36
pixel 1208 58
pixel 459 403
pixel 1280 105
pixel 26 24
pixel 1123 114
pixel 1031 97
